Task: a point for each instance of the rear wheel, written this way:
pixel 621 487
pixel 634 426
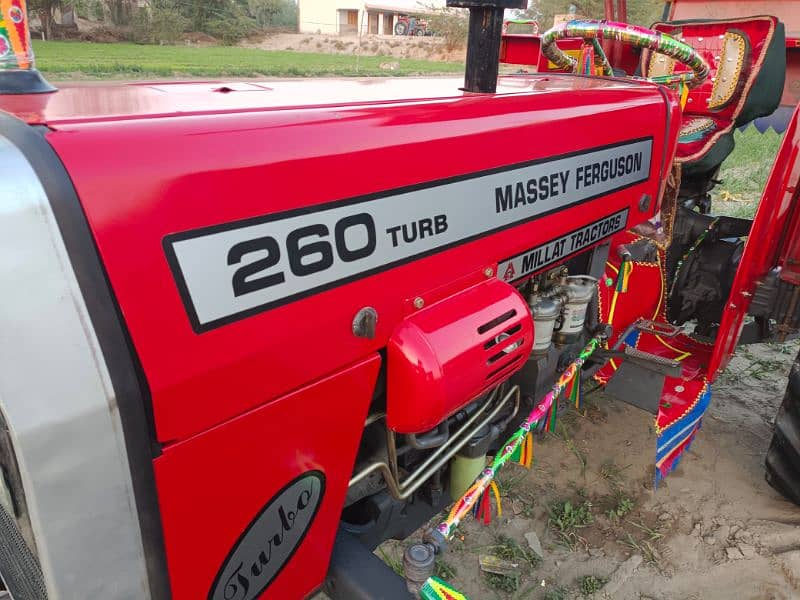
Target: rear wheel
pixel 400 29
pixel 783 456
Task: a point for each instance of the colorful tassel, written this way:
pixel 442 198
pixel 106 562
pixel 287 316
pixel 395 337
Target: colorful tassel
pixel 436 589
pixel 483 507
pixel 683 92
pixel 624 275
pixel 523 454
pixel 466 503
pixel 552 417
pixel 585 64
pixel 575 395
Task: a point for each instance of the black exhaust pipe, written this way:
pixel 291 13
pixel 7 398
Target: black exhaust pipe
pixel 483 43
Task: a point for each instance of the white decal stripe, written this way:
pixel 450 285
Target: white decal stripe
pixel 282 253
pixel 556 250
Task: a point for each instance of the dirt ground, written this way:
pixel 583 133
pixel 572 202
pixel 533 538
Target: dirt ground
pixel 423 48
pixel 713 529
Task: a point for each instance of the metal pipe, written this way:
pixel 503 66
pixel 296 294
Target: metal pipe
pixel 483 50
pixel 402 490
pixel 429 440
pixel 483 43
pixel 391 451
pixel 622 11
pixel 454 439
pixel 609 6
pixel 374 417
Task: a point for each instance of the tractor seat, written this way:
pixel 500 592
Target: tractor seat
pixel 748 66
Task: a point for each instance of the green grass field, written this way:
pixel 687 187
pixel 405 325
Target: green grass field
pixel 744 173
pixel 76 60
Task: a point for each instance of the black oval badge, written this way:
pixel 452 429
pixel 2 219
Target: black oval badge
pixel 270 540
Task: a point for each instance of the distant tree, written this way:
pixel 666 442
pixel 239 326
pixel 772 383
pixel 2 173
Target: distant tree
pixel 286 16
pixel 274 13
pixel 45 9
pixel 452 24
pixel 120 11
pixel 159 22
pixel 263 11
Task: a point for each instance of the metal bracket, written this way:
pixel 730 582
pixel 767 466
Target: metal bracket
pixel 638 386
pixel 658 364
pixel 639 380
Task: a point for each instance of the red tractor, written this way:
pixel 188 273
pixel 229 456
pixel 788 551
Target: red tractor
pixel 411 25
pixel 229 370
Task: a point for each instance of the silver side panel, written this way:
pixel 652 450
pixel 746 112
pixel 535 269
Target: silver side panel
pixel 57 398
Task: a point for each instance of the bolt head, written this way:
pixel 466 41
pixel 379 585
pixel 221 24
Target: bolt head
pixel 365 322
pixel 419 302
pixel 489 272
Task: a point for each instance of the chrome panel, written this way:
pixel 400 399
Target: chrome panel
pixel 58 401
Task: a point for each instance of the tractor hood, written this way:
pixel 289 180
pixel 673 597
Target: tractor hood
pixel 418 185
pixel 90 102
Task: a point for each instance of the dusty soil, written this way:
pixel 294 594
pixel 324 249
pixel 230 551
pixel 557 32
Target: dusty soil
pixel 423 48
pixel 712 529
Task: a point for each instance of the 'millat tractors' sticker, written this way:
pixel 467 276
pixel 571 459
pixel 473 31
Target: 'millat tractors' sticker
pixel 560 248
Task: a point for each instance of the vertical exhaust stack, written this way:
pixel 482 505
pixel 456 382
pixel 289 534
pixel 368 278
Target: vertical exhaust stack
pixel 17 72
pixel 483 44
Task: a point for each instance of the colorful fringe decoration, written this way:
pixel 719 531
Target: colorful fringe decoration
pixel 482 511
pixel 552 417
pixel 475 492
pixel 683 92
pixel 624 275
pixel 523 455
pixel 672 441
pixel 436 589
pixel 585 64
pixel 574 393
pixel 15 41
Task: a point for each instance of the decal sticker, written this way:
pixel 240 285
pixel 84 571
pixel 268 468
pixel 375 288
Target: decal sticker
pixel 560 248
pixel 231 271
pixel 270 541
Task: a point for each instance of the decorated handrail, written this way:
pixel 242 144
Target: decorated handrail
pixel 630 34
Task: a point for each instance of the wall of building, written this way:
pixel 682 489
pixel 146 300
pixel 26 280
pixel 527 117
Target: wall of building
pixel 331 17
pixel 325 16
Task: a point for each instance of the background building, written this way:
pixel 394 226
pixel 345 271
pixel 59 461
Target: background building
pixel 351 17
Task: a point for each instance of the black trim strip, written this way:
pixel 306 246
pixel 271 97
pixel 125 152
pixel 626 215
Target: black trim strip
pixel 127 378
pixel 183 289
pixel 666 162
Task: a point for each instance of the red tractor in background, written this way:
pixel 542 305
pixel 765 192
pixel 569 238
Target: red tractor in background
pixel 229 370
pixel 411 25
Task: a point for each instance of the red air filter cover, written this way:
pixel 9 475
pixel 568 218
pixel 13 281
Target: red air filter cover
pixel 442 357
